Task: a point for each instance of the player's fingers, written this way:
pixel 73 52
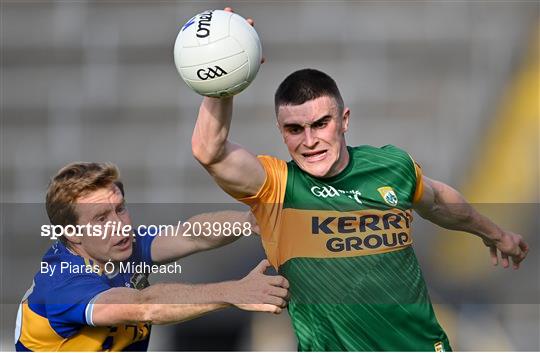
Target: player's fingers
pixel 267 308
pixel 275 301
pixel 504 260
pixel 284 304
pixel 262 266
pixel 515 263
pixel 493 255
pixel 279 281
pixel 524 247
pixel 516 260
pixel 277 310
pixel 278 292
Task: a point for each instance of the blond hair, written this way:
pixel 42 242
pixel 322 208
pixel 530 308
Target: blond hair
pixel 73 181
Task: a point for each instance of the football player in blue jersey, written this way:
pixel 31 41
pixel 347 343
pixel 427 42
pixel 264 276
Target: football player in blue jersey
pixel 83 299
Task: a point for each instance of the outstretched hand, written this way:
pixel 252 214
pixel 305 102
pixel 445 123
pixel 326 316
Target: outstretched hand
pixel 511 246
pixel 260 292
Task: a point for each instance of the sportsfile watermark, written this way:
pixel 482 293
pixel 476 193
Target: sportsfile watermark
pixel 325 245
pixel 114 228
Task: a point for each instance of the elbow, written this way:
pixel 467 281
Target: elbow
pixel 206 153
pixel 197 149
pixel 431 213
pixel 466 217
pixel 201 154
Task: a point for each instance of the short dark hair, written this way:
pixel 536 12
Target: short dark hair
pixel 305 85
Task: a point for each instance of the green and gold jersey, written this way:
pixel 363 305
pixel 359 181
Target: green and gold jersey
pixel 344 244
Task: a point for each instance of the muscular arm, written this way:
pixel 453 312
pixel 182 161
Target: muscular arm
pixel 236 171
pixel 158 304
pixel 167 303
pixel 171 248
pixel 446 207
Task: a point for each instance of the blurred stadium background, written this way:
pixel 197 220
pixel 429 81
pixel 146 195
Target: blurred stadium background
pixel 454 83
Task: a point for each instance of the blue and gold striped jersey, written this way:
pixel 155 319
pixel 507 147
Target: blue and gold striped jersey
pixel 56 312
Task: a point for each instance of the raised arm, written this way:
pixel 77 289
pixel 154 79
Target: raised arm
pixel 446 207
pixel 237 171
pixel 216 229
pixel 167 303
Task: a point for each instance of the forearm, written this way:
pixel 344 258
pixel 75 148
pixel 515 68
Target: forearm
pixel 238 172
pixel 450 210
pixel 171 303
pixel 219 228
pixel 161 314
pixel 162 303
pixel 202 232
pixel 464 217
pixel 447 208
pixel 209 140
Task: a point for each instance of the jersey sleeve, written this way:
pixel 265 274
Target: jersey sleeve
pixel 419 186
pixel 411 171
pixel 267 204
pixel 142 251
pixel 71 302
pixel 273 188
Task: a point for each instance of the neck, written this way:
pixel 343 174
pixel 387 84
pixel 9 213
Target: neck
pixel 342 161
pixel 79 250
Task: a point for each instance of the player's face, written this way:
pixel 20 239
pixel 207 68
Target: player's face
pixel 314 134
pixel 104 208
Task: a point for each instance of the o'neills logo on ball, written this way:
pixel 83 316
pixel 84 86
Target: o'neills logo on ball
pixel 203 25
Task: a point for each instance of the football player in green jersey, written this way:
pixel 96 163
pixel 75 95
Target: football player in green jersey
pixel 336 220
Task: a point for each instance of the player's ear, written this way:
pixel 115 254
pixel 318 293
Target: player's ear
pixel 345 121
pixel 280 129
pixel 282 135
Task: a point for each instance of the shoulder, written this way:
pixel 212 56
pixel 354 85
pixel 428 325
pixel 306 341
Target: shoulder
pixel 63 279
pixel 276 169
pixel 273 189
pixel 271 162
pixel 383 150
pixel 59 268
pixel 394 150
pixel 385 155
pixel 66 262
pixel 59 252
pixel 142 245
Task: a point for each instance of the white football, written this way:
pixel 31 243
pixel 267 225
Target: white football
pixel 217 53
